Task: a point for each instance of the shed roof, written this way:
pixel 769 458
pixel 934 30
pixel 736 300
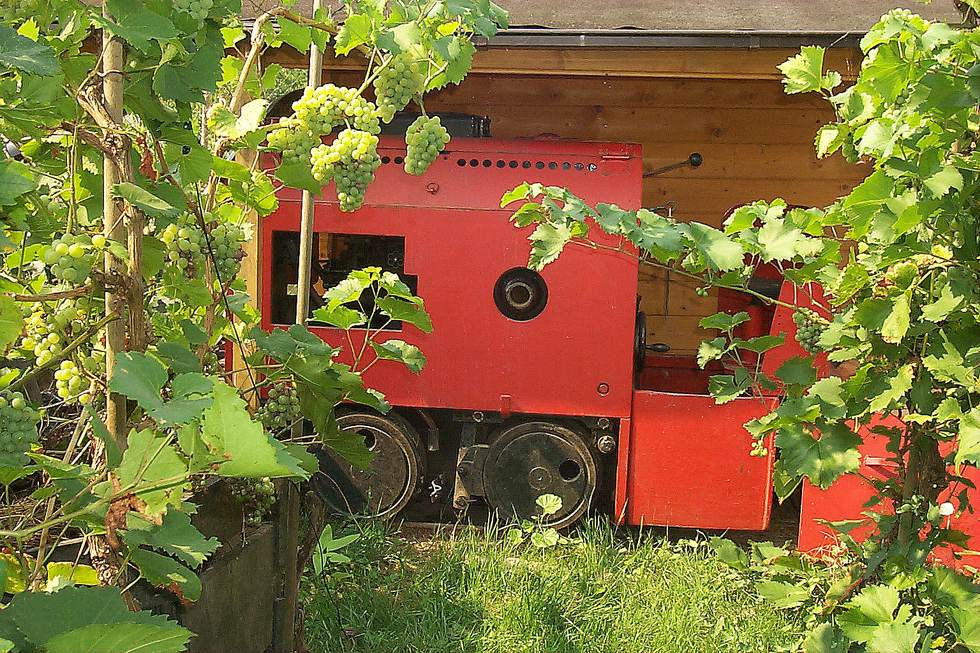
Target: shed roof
pixel 699 16
pixel 806 16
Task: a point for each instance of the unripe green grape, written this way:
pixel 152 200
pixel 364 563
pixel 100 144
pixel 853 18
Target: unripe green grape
pixel 396 84
pixel 18 429
pixel 809 327
pixel 425 139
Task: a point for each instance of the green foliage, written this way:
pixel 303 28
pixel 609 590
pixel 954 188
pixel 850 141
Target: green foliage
pixel 86 619
pixel 884 283
pixel 173 277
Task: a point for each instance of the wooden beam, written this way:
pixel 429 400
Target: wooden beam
pixel 707 63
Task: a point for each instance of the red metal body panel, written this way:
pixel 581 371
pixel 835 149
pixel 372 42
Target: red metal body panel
pixel 846 498
pixel 458 241
pixel 689 464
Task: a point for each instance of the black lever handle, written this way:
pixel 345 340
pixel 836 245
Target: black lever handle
pixel 694 161
pixel 659 347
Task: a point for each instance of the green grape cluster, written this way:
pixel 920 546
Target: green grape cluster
pixel 185 245
pixel 426 138
pixel 17 11
pixel 226 246
pixel 350 161
pixel 316 114
pixel 188 247
pixel 71 385
pixel 210 364
pixel 71 257
pixel 809 326
pixel 18 428
pixel 257 496
pixel 280 410
pixel 294 139
pixel 46 334
pixel 196 9
pixel 399 80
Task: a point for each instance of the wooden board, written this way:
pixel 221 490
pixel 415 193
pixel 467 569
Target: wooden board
pixel 699 63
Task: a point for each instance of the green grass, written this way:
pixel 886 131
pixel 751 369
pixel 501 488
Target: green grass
pixel 476 593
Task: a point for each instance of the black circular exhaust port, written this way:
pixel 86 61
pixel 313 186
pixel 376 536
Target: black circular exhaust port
pixel 520 294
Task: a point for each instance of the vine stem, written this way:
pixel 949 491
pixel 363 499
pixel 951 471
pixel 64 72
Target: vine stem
pixel 591 244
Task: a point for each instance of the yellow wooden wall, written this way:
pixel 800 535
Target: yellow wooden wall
pixel 728 105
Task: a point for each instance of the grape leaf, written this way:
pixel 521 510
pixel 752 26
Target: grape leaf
pixel 946 178
pixel 139 377
pixel 154 468
pixel 121 638
pixel 298 175
pixel 822 460
pixel 11 321
pixel 399 309
pixel 26 55
pixel 294 34
pixel 355 31
pixel 896 325
pixel 968 450
pixel 165 572
pixel 803 72
pixel 717 250
pixel 78 574
pixel 547 243
pixel 175 535
pixel 136 24
pixel 340 317
pixel 40 617
pixel 144 200
pixel 249 451
pixel 398 350
pixel 866 200
pixel 723 321
pixel 15 180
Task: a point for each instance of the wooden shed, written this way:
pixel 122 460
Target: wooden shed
pixel 679 77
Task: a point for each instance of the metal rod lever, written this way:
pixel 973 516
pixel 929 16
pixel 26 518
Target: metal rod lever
pixel 694 161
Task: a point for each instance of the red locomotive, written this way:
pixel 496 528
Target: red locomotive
pixel 535 383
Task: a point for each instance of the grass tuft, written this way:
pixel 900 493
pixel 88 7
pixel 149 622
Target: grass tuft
pixel 473 592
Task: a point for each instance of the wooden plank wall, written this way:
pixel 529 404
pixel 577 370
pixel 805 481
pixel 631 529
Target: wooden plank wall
pixel 757 142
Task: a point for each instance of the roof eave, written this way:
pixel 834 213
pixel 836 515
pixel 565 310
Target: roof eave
pixel 643 38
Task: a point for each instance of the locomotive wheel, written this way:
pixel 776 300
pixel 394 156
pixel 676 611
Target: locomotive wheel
pixel 535 458
pixel 387 485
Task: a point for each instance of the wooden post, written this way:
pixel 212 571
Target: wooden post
pixel 287 531
pixel 114 229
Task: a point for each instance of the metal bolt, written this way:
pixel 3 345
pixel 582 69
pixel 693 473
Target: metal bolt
pixel 603 423
pixel 432 188
pixel 477 416
pixel 603 389
pixel 605 443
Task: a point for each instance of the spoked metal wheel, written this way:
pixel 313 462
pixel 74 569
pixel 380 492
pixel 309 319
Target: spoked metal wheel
pixel 387 485
pixel 535 458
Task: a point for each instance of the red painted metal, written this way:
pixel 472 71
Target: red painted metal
pixel 846 499
pixel 458 241
pixel 689 464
